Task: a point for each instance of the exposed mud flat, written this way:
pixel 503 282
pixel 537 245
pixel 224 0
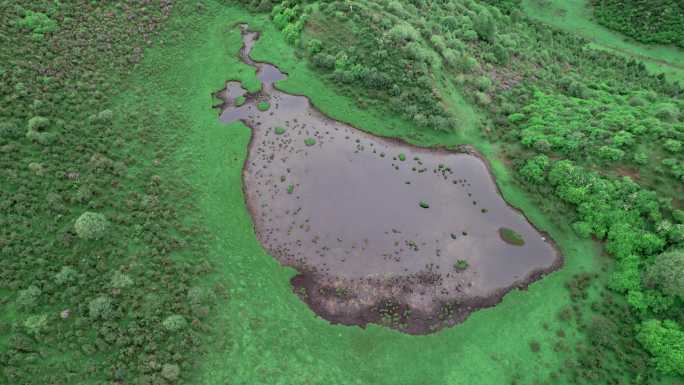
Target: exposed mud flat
pixel 380 231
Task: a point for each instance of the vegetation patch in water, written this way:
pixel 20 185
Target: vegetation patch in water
pixel 263 105
pixel 511 237
pixel 461 265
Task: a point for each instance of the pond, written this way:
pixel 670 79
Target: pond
pixel 380 231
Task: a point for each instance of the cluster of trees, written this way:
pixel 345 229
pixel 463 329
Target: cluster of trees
pixel 86 234
pixel 648 21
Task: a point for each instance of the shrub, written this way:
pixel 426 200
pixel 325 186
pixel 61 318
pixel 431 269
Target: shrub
pixel 484 83
pixel 38 22
pixel 174 323
pixel 36 168
pixel 198 296
pixel 673 145
pixel 583 229
pixel 610 153
pixel 170 372
pixel 28 298
pixel 10 130
pixel 101 308
pixel 640 158
pixel 240 100
pixel 121 280
pixel 91 225
pixel 485 26
pixel 667 272
pixel 404 32
pixel 105 116
pixel 665 341
pixel 667 112
pixel 534 170
pixel 324 61
pixel 65 275
pixel 469 64
pixel 314 46
pixel 38 123
pixel 35 324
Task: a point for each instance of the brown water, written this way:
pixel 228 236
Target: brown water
pixel 346 212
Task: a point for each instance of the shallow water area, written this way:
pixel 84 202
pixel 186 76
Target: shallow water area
pixel 379 230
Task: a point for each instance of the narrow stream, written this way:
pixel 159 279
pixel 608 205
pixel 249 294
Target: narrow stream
pixel 379 230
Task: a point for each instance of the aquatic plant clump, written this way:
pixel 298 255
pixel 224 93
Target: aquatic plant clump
pixel 511 237
pixel 263 105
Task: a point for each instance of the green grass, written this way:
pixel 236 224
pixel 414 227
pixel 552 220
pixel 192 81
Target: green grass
pixel 264 333
pixel 575 16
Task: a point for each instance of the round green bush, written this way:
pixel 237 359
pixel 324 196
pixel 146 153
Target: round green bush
pixel 91 225
pixel 174 323
pixel 38 123
pixel 35 324
pixel 101 307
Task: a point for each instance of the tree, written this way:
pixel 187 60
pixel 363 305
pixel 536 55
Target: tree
pixel 91 225
pixel 667 272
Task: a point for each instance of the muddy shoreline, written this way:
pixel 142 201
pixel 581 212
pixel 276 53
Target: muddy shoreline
pixel 322 292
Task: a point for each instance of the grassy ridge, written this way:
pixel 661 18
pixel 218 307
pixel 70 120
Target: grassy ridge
pixel 266 335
